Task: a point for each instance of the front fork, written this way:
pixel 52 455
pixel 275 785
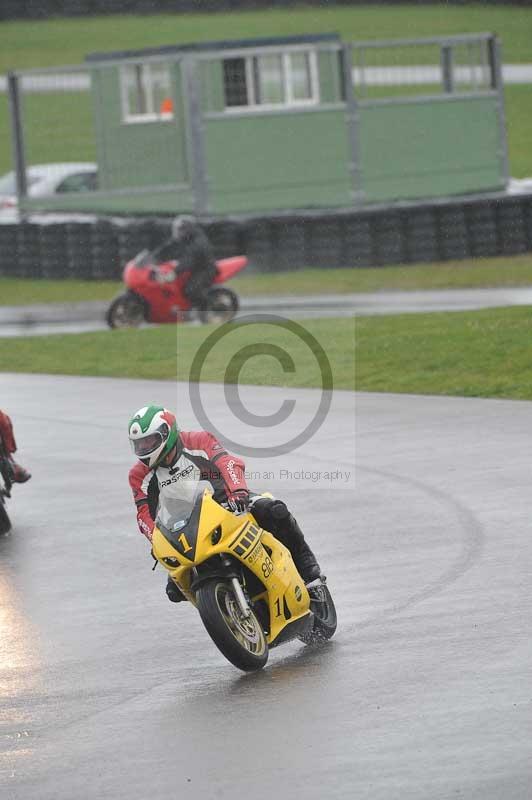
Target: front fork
pixel 237 588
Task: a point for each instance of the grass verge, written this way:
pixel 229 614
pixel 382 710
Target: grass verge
pixel 518 106
pixel 482 272
pixel 27 291
pixel 52 42
pixel 477 273
pixel 167 353
pixel 468 354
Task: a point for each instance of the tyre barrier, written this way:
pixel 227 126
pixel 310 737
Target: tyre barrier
pixel 96 248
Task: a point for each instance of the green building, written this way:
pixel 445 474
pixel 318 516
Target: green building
pixel 295 122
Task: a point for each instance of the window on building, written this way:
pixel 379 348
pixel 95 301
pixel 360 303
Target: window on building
pixel 146 93
pixel 300 77
pixel 273 79
pixel 235 82
pixel 269 80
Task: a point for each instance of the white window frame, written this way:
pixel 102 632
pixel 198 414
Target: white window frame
pixel 250 86
pixel 146 76
pixel 289 100
pixel 314 82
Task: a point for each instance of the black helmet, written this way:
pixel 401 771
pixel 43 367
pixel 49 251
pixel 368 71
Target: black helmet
pixel 183 226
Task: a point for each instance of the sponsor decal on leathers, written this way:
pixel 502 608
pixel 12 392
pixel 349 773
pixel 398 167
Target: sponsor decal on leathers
pixel 176 477
pixel 231 471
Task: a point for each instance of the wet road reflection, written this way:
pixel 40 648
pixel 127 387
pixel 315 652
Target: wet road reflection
pixel 20 666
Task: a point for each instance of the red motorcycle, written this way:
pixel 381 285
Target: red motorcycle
pixel 155 294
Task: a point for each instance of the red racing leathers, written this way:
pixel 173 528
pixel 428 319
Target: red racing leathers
pixel 7 437
pixel 201 458
pixel 10 469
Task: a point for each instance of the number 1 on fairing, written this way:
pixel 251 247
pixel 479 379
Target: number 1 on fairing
pixel 184 543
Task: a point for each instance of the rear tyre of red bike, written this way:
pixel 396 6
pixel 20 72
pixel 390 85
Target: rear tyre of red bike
pixel 219 305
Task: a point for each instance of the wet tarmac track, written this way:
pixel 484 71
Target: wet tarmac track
pixel 45 319
pixel 109 691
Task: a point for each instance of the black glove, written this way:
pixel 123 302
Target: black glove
pixel 174 594
pixel 238 501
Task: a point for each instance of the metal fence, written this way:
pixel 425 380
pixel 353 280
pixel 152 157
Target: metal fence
pixel 52 118
pixel 427 113
pixel 412 118
pixel 422 67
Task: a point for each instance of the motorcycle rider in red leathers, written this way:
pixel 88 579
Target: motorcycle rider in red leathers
pixel 171 464
pixel 14 472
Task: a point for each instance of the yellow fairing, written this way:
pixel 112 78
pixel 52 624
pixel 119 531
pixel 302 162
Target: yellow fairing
pixel 287 596
pixel 188 553
pixel 240 537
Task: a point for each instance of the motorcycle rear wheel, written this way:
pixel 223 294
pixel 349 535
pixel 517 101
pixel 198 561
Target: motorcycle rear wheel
pixel 220 305
pixel 5 522
pixel 126 311
pixel 241 640
pixel 325 619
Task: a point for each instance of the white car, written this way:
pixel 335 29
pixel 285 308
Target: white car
pixel 49 179
pixel 520 186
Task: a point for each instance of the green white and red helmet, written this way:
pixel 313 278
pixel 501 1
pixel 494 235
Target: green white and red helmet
pixel 153 434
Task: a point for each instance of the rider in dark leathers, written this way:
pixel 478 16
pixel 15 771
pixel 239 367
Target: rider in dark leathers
pixel 189 246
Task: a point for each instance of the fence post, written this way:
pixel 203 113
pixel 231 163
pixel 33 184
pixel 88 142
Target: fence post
pixel 447 68
pixel 357 190
pixel 196 151
pixel 495 62
pixel 17 134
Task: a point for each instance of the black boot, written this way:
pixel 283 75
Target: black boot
pixel 174 594
pixel 19 474
pixel 12 471
pixel 306 563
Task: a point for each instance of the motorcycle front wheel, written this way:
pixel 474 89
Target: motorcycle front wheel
pixel 220 305
pixel 241 639
pixel 126 311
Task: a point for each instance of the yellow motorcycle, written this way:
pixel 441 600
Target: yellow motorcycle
pixel 241 579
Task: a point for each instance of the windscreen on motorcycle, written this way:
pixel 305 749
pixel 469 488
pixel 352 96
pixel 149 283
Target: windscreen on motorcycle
pixel 143 259
pixel 175 512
